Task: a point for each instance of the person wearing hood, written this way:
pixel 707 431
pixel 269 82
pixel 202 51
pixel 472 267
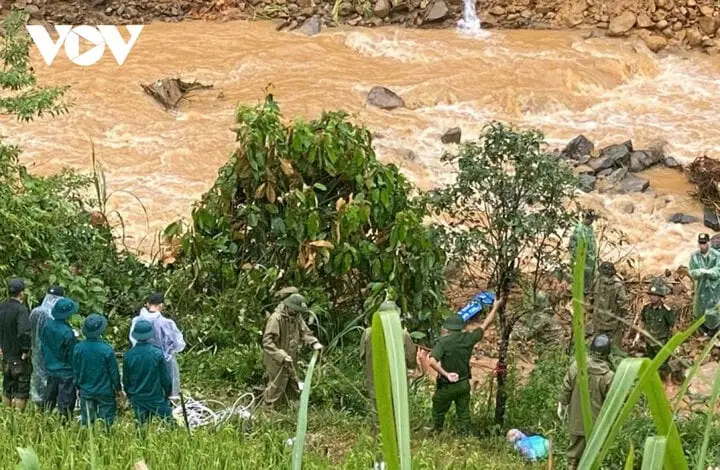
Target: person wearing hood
pixel 599 379
pixel 704 269
pixel 450 358
pixel 58 343
pixel 38 317
pixel 166 336
pixel 610 306
pixel 96 373
pixel 285 329
pixel 15 346
pixel 146 378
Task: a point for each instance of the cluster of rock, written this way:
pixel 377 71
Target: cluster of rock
pixel 109 11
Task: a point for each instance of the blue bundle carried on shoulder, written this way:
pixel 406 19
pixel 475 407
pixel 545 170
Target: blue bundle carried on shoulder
pixel 480 301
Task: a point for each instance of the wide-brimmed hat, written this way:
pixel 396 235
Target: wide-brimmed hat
pixel 94 326
pixel 143 330
pixel 64 308
pixel 454 323
pixel 296 302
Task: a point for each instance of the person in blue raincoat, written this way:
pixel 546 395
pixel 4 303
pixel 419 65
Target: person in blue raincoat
pixel 704 269
pixel 58 342
pixel 146 378
pixel 96 373
pixel 38 317
pixel 166 336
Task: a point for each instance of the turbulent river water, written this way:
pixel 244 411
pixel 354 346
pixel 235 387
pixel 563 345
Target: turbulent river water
pixel 558 82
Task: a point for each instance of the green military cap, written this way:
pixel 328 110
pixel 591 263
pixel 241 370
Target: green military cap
pixel 657 289
pixel 454 323
pixel 296 302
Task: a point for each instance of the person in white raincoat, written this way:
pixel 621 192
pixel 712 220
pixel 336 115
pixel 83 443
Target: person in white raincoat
pixel 38 317
pixel 704 269
pixel 166 336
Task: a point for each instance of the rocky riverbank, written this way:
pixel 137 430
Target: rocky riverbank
pixel 678 24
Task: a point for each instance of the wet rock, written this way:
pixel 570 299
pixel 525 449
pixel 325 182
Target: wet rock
pixel 681 218
pixel 311 26
pixel 586 183
pixel 694 37
pixel 644 21
pixel 408 154
pixel 710 219
pixel 583 170
pixel 384 98
pixel 662 24
pixel 617 176
pixel 605 173
pixel 670 162
pixel 707 10
pixel 642 160
pixel 451 136
pixel 382 8
pixel 621 25
pixel 612 156
pixel 438 11
pixel 577 148
pixel 656 43
pixel 497 10
pixel 708 25
pixel 627 207
pixel 632 184
pixel 346 9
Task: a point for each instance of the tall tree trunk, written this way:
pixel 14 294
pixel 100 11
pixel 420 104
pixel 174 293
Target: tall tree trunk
pixel 501 371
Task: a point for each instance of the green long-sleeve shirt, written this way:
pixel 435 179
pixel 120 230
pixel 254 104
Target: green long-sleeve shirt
pixel 58 342
pixel 146 378
pixel 95 369
pixel 454 351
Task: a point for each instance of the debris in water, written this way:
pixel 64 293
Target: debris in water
pixel 704 173
pixel 170 91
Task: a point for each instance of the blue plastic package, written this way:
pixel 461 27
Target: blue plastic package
pixel 480 301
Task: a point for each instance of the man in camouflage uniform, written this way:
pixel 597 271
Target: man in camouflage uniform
pixel 284 331
pixel 657 319
pixel 599 379
pixel 610 304
pixel 585 230
pixel 540 324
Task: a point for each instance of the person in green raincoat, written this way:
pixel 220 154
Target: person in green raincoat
pixel 657 319
pixel 585 230
pixel 599 379
pixel 96 373
pixel 704 269
pixel 146 377
pixel 285 329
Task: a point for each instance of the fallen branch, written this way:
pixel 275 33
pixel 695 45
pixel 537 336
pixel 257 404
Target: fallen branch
pixel 170 91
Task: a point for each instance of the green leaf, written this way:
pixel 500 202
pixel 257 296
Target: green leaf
pixel 320 186
pixel 654 453
pixel 299 444
pixel 630 460
pixel 578 303
pixel 252 219
pixel 712 407
pixel 277 225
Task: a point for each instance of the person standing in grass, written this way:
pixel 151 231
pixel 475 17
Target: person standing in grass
pixel 15 347
pixel 38 317
pixel 58 343
pixel 96 373
pixel 146 378
pixel 451 359
pixel 599 379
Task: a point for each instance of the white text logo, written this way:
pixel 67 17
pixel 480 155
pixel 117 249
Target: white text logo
pixel 99 36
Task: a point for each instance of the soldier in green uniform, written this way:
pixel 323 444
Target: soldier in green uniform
pixel 451 359
pixel 610 305
pixel 585 230
pixel 599 379
pixel 657 319
pixel 284 331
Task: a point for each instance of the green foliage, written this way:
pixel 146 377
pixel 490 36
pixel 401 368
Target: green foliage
pixel 578 302
pixel 299 444
pixel 312 198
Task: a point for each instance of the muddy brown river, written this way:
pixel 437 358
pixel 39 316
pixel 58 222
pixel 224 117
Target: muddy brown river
pixel 609 90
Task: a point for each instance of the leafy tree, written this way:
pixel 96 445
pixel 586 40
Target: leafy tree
pixel 511 198
pixel 311 198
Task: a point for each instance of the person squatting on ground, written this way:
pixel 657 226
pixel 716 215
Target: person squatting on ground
pixel 657 319
pixel 146 378
pixel 599 379
pixel 451 360
pixel 166 336
pixel 704 269
pixel 15 346
pixel 611 305
pixel 96 373
pixel 285 329
pixel 38 317
pixel 58 342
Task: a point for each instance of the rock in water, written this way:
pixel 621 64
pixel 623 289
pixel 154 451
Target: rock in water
pixel 644 21
pixel 437 12
pixel 311 26
pixel 632 184
pixel 382 8
pixel 577 148
pixel 612 156
pixel 586 183
pixel 452 136
pixel 383 98
pixel 680 218
pixel 670 162
pixel 711 219
pixel 656 43
pixel 621 25
pixel 640 160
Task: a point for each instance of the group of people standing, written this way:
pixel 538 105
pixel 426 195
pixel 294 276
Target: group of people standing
pixel 44 360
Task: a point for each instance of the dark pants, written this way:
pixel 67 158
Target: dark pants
pixel 103 408
pixel 61 391
pixel 16 378
pixel 144 412
pixel 708 331
pixel 651 350
pixel 575 451
pixel 447 394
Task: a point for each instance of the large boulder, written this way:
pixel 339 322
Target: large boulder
pixel 641 160
pixel 656 43
pixel 632 184
pixel 384 98
pixel 644 21
pixel 452 136
pixel 708 25
pixel 711 219
pixel 437 12
pixel 681 218
pixel 694 37
pixel 670 162
pixel 613 156
pixel 382 8
pixel 578 148
pixel 586 183
pixel 621 25
pixel 311 26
